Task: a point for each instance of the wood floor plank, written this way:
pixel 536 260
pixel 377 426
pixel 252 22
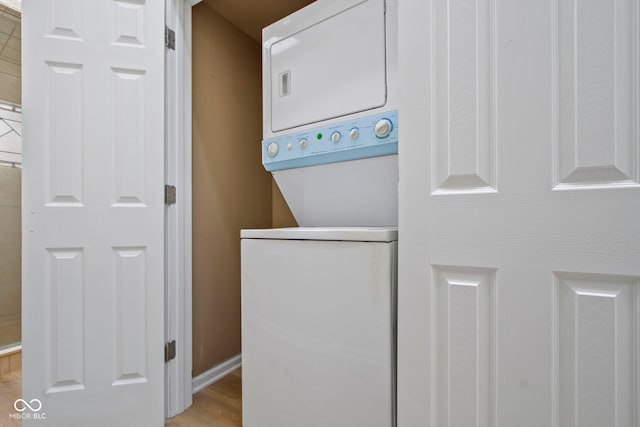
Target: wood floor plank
pixel 10 390
pixel 219 405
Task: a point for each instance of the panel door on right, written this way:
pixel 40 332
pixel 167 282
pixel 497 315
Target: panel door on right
pixel 519 258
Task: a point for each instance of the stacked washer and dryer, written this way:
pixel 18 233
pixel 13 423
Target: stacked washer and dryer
pixel 319 300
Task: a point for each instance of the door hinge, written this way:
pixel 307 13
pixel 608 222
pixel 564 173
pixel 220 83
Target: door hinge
pixel 169 194
pixel 169 351
pixel 169 38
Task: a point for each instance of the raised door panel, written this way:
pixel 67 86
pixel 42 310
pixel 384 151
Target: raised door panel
pixel 129 141
pixel 65 289
pixel 65 19
pixel 464 141
pixel 64 147
pixel 596 343
pixel 598 86
pixel 128 23
pixel 131 288
pixel 464 345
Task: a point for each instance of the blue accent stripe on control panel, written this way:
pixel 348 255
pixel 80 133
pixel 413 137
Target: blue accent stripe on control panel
pixel 321 149
pixel 338 156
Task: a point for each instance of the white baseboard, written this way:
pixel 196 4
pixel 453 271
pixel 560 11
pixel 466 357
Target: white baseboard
pixel 217 372
pixel 10 350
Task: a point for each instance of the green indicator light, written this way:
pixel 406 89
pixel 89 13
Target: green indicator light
pixel 319 136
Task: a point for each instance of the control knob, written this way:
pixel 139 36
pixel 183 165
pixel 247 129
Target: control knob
pixel 335 137
pixel 272 149
pixel 383 128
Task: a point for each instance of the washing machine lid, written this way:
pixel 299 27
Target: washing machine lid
pixel 352 234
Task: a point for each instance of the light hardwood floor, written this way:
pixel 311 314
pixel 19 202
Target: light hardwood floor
pixel 10 390
pixel 219 405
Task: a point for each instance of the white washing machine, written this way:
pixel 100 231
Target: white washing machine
pixel 318 327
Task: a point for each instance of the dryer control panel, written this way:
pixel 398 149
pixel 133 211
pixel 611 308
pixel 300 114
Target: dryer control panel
pixel 359 138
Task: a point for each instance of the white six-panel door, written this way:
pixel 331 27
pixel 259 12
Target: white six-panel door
pixel 93 275
pixel 519 258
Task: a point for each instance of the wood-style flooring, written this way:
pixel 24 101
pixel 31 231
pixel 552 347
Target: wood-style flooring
pixel 10 390
pixel 219 405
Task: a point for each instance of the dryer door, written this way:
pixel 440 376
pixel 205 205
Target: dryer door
pixel 331 68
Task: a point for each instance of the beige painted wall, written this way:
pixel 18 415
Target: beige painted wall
pixel 10 254
pixel 231 189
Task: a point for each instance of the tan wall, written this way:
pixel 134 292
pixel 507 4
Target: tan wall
pixel 231 189
pixel 10 254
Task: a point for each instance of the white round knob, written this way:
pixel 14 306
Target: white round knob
pixel 354 133
pixel 272 149
pixel 335 137
pixel 303 143
pixel 289 146
pixel 383 128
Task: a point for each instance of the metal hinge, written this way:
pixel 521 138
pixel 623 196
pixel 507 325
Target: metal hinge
pixel 169 38
pixel 169 351
pixel 169 194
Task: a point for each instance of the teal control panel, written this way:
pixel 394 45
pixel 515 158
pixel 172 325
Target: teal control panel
pixel 370 136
